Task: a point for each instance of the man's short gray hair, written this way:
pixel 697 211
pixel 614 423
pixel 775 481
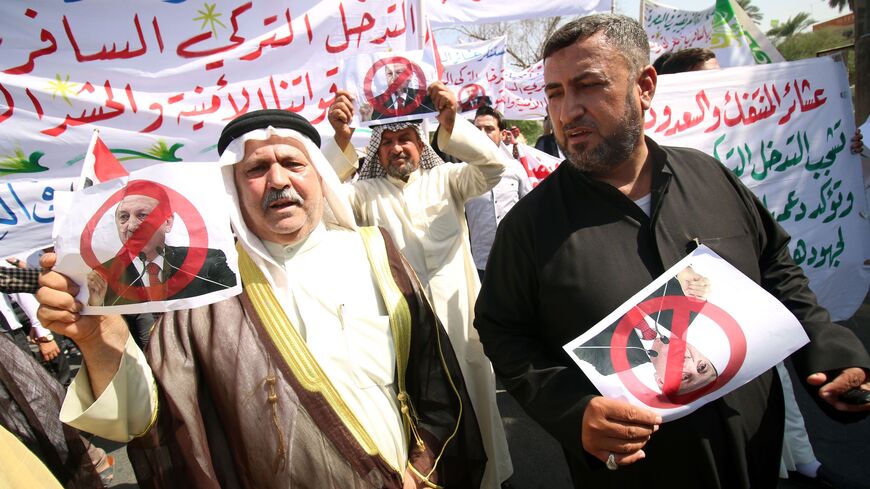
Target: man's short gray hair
pixel 625 34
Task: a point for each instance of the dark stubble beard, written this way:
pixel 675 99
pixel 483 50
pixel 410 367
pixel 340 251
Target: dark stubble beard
pixel 403 171
pixel 614 149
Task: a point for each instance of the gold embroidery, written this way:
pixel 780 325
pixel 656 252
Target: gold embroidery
pixel 295 353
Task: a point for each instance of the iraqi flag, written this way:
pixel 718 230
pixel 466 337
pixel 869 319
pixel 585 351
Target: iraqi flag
pixel 538 165
pixel 100 164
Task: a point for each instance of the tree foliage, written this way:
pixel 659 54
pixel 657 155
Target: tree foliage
pixel 751 10
pixel 524 38
pixel 791 27
pixel 841 4
pixel 808 44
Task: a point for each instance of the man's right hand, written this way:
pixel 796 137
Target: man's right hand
pixel 101 339
pixel 617 427
pixel 340 114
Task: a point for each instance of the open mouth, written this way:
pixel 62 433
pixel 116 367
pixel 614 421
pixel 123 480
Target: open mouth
pixel 577 134
pixel 283 204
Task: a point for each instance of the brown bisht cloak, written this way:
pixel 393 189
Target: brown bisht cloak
pixel 30 400
pixel 239 408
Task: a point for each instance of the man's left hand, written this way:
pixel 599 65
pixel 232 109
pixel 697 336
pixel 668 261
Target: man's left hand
pixel 445 101
pixel 842 382
pixel 49 350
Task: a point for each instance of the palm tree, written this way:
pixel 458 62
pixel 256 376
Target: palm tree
pixel 841 4
pixel 791 27
pixel 751 10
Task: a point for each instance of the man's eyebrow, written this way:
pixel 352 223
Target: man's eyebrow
pixel 597 75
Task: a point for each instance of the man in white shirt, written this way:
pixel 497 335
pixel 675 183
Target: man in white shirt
pixel 486 211
pixel 404 187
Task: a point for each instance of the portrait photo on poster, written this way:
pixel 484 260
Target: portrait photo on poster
pixel 155 241
pixel 390 87
pixel 696 333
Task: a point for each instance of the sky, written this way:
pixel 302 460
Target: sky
pixel 772 9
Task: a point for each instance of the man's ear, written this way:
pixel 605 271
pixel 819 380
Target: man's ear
pixel 659 381
pixel 167 226
pixel 646 86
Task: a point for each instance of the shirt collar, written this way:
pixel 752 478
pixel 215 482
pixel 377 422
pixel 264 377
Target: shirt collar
pixel 284 253
pixel 398 182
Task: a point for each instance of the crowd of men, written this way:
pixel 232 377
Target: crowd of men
pixel 363 351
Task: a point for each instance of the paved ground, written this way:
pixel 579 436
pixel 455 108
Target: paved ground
pixel 539 464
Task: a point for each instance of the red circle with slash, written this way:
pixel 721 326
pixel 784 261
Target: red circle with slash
pixel 468 94
pixel 169 202
pixel 682 307
pixel 379 103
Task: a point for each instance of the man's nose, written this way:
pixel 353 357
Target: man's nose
pixel 573 107
pixel 277 176
pixel 396 148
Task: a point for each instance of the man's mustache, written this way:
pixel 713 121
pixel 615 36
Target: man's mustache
pixel 286 193
pixel 403 155
pixel 581 123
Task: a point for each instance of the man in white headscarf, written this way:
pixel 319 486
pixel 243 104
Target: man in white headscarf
pixel 329 369
pixel 404 187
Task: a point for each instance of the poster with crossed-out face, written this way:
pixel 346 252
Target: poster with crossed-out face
pixel 390 87
pixel 696 333
pixel 155 241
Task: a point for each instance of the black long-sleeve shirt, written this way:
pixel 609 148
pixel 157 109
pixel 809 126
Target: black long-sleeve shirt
pixel 575 248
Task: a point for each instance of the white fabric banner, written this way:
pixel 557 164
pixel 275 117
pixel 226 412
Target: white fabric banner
pixel 785 131
pixel 474 71
pixel 446 13
pixel 160 79
pixel 477 73
pixel 538 165
pixel 27 213
pixel 696 333
pixel 724 28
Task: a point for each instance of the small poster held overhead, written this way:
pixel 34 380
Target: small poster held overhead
pixel 154 241
pixel 391 87
pixel 696 333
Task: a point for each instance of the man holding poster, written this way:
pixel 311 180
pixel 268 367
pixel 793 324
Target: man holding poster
pixel 615 216
pixel 302 380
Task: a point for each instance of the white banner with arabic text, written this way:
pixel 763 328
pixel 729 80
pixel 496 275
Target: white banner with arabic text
pixel 785 130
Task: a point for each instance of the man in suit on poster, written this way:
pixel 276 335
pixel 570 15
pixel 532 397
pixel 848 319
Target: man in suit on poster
pixel 146 268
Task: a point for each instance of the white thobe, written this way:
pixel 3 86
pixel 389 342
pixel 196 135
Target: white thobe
pixel 426 218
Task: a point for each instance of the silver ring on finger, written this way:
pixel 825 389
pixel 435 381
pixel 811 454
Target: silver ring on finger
pixel 611 462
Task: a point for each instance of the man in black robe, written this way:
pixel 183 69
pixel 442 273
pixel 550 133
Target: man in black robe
pixel 615 216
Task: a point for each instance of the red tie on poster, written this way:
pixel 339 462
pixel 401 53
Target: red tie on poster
pixel 154 281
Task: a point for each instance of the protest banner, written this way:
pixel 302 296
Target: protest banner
pixel 154 241
pixel 477 73
pixel 723 28
pixel 390 87
pixel 785 130
pixel 474 72
pixel 538 165
pixel 696 333
pixel 160 79
pixel 27 210
pixel 447 13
